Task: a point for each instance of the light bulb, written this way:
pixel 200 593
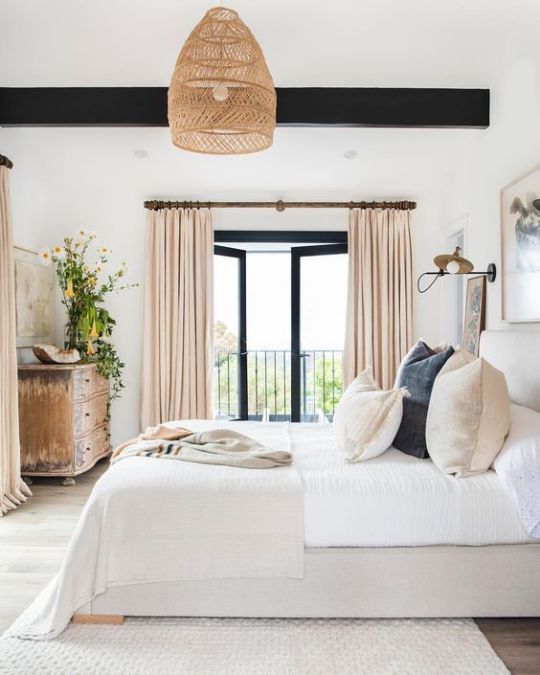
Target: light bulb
pixel 220 92
pixel 453 267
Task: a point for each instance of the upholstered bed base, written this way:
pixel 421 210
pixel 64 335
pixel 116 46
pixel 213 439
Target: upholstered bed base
pixel 431 581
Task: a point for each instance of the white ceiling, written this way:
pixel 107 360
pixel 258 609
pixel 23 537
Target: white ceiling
pixel 426 43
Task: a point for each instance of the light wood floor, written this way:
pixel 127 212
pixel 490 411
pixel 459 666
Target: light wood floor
pixel 33 540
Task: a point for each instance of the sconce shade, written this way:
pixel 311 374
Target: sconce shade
pixel 222 98
pixel 464 266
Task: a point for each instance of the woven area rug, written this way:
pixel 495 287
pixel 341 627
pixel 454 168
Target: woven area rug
pixel 259 647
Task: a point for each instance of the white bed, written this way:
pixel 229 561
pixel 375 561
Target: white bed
pixel 392 537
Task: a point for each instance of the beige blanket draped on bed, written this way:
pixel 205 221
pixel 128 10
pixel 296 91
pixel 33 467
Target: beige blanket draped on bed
pixel 213 446
pixel 379 305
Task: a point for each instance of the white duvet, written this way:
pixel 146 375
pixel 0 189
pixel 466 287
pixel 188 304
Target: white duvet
pixel 396 499
pixel 151 520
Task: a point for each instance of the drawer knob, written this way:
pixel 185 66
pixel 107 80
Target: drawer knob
pixel 87 379
pixel 87 414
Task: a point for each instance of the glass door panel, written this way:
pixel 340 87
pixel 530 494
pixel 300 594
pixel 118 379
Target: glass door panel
pixel 318 296
pixel 269 335
pixel 230 358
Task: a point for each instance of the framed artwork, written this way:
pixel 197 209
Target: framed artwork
pixel 520 244
pixel 34 299
pixel 475 314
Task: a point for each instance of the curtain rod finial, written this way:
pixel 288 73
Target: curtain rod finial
pixel 5 161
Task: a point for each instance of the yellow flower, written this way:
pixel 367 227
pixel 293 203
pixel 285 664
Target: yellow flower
pixel 98 269
pixel 90 348
pixel 91 280
pixel 85 268
pixel 70 293
pixel 93 333
pixel 104 250
pixel 58 251
pixel 45 257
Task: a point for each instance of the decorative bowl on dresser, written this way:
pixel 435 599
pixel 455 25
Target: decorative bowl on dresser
pixel 64 428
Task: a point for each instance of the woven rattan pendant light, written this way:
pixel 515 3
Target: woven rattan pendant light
pixel 222 99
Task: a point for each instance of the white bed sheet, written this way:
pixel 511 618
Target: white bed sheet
pixel 395 499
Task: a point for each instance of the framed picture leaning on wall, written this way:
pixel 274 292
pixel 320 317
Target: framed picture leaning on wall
pixel 34 299
pixel 520 248
pixel 475 313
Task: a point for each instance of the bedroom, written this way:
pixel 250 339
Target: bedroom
pixel 432 104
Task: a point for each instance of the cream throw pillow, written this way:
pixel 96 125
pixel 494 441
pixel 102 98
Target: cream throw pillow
pixel 368 417
pixel 468 417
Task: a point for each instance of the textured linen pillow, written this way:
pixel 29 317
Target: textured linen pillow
pixel 417 374
pixel 461 357
pixel 468 418
pixel 362 382
pixel 368 417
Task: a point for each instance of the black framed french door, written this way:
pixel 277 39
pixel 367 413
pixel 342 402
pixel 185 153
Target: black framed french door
pixel 240 256
pixel 244 376
pixel 298 369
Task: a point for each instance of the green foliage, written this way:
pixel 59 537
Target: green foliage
pixel 84 288
pixel 328 383
pixel 269 379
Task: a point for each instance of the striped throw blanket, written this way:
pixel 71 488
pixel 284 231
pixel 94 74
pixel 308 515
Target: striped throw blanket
pixel 216 446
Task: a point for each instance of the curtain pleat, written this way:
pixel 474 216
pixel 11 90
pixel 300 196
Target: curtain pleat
pixel 178 316
pixel 13 490
pixel 379 297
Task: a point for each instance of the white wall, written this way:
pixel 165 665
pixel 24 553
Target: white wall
pixel 507 150
pixel 64 179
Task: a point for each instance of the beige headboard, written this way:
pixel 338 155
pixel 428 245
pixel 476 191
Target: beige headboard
pixel 517 354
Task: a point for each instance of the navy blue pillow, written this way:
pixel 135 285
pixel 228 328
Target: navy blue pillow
pixel 418 373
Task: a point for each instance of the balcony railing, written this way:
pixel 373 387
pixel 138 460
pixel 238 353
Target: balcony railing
pixel 269 384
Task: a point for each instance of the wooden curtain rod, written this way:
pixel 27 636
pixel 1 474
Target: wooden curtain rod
pixel 156 205
pixel 5 161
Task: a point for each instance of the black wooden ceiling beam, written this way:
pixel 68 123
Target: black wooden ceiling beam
pixel 297 106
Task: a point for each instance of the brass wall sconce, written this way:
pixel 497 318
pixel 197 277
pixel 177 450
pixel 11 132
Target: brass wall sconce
pixel 454 264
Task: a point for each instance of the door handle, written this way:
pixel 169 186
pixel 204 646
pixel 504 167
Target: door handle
pixel 304 355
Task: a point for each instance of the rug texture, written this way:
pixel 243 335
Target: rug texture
pixel 259 647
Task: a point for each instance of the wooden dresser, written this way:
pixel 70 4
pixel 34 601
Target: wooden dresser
pixel 63 422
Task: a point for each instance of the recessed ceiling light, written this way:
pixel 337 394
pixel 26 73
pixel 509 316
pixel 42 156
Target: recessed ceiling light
pixel 350 154
pixel 141 153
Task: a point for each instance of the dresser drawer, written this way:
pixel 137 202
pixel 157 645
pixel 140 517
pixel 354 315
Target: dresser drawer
pixel 94 444
pixel 87 382
pixel 89 414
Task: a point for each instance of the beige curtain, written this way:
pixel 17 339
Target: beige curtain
pixel 178 316
pixel 13 490
pixel 379 303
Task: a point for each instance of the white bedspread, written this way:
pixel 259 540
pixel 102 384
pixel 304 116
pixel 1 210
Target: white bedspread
pixel 396 499
pixel 148 520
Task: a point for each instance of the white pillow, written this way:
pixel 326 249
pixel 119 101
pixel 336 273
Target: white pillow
pixel 461 357
pixel 368 417
pixel 518 466
pixel 468 416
